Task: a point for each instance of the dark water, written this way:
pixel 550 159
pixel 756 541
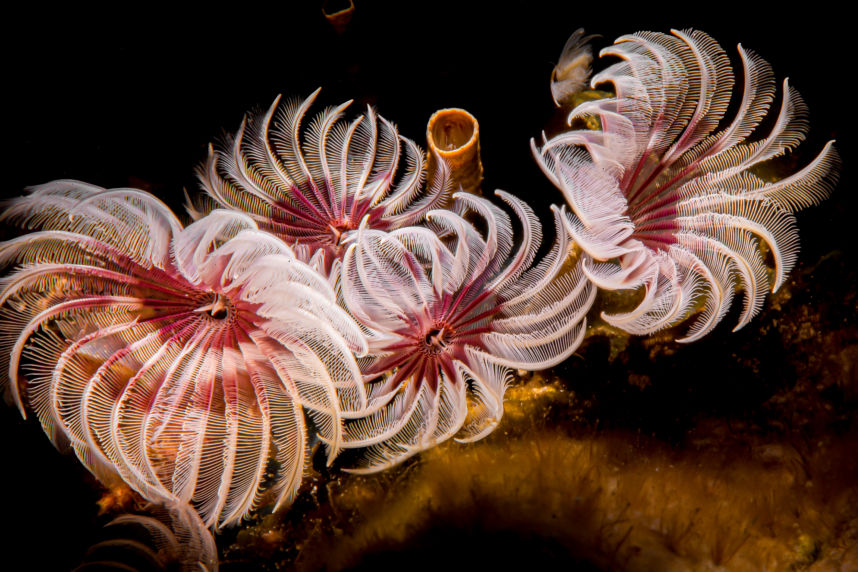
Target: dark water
pixel 134 102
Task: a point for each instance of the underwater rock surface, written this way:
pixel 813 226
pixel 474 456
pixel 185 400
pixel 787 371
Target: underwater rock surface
pixel 583 473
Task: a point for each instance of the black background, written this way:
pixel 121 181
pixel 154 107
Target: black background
pixel 132 98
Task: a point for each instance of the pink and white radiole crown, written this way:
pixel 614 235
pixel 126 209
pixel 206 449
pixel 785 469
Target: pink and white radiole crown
pixel 666 196
pixel 313 185
pixel 449 310
pixel 181 360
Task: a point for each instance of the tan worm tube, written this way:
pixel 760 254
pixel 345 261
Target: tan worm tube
pixel 338 13
pixel 454 135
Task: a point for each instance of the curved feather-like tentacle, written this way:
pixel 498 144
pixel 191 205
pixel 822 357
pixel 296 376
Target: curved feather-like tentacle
pixel 314 184
pixel 158 537
pixel 181 360
pixel 451 312
pixel 572 71
pixel 664 201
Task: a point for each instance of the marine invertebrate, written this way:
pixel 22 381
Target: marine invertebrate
pixel 453 136
pixel 314 186
pixel 182 360
pixel 569 77
pixel 165 538
pixel 664 201
pixel 449 312
pixel 338 14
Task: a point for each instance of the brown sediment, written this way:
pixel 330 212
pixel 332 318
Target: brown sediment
pixel 603 500
pixel 453 135
pixel 118 498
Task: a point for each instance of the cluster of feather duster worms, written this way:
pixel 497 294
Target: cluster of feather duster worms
pixel 337 286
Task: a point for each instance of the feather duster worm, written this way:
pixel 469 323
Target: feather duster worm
pixel 314 185
pixel 664 200
pixel 569 77
pixel 180 359
pixel 450 311
pixel 165 538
